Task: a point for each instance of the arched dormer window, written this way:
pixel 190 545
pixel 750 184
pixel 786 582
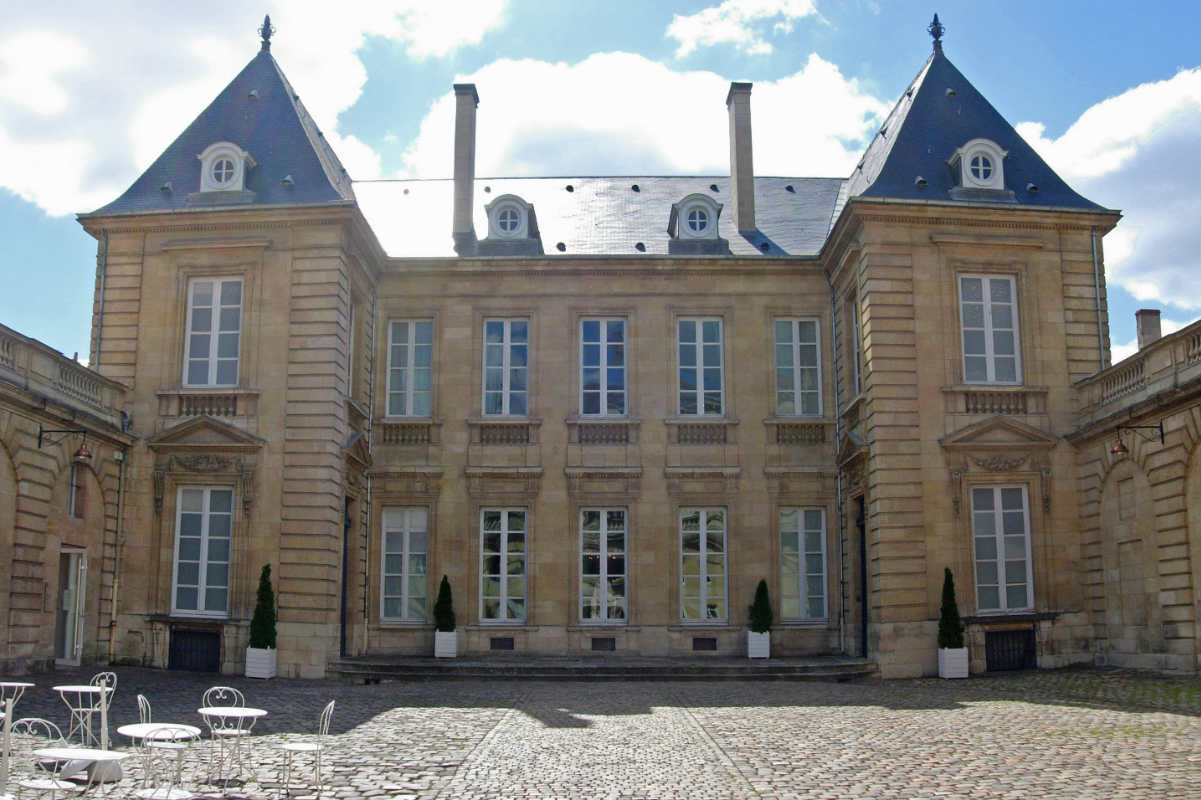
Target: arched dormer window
pixel 694 217
pixel 223 167
pixel 508 217
pixel 979 165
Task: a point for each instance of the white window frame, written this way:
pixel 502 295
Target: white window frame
pixel 1001 558
pixel 214 332
pixel 409 369
pixel 684 210
pixel 505 555
pixel 794 346
pixel 204 563
pixel 217 152
pixel 508 202
pixel 977 148
pixel 604 367
pixel 404 521
pixel 797 584
pixel 856 347
pixel 699 366
pixel 704 576
pixel 506 391
pixel 990 356
pixel 602 599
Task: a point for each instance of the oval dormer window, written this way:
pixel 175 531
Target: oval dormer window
pixel 508 218
pixel 697 220
pixel 981 167
pixel 695 217
pixel 980 164
pixel 223 167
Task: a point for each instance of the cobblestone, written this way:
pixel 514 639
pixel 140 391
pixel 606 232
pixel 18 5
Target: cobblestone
pixel 1065 734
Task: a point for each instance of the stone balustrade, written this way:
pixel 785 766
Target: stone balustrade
pixel 38 368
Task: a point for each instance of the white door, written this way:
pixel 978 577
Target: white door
pixel 68 623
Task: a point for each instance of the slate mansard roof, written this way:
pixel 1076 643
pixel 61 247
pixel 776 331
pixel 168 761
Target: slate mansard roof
pixel 258 111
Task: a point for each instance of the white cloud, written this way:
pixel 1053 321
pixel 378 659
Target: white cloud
pixel 1119 352
pixel 1139 152
pixel 79 122
pixel 619 113
pixel 737 22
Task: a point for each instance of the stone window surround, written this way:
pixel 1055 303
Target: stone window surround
pixel 1030 553
pixel 203 585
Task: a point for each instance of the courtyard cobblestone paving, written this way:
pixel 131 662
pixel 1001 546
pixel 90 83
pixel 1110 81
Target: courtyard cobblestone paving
pixel 1081 733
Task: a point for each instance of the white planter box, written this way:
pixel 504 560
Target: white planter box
pixel 758 645
pixel 952 662
pixel 260 662
pixel 446 644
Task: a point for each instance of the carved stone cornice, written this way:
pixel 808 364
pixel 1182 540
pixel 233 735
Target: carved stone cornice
pixel 523 483
pixel 616 482
pixel 183 468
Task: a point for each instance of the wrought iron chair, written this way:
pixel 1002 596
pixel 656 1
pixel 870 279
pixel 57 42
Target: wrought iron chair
pixel 224 731
pixel 162 752
pixel 143 709
pixel 222 696
pixel 314 747
pixel 34 774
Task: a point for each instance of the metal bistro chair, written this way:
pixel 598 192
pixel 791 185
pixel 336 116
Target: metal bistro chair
pixel 162 752
pixel 34 774
pixel 143 709
pixel 316 748
pixel 223 731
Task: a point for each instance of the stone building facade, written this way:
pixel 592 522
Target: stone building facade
pixel 606 408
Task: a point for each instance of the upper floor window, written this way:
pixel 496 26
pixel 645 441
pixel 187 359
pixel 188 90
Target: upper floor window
pixel 603 367
pixel 508 217
pixel 214 332
pixel 798 367
pixel 701 371
pixel 979 165
pixel 1001 544
pixel 506 367
pixel 203 533
pixel 405 546
pixel 989 320
pixel 856 342
pixel 410 367
pixel 223 167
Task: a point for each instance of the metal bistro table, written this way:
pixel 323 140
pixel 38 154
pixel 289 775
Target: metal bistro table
pixel 165 735
pixel 228 725
pixel 84 701
pixel 96 762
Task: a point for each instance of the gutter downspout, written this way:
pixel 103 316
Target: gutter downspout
pixel 120 546
pixel 367 502
pixel 1092 237
pixel 838 509
pixel 94 360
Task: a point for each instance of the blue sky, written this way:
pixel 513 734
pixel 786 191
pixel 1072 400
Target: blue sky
pixel 1109 93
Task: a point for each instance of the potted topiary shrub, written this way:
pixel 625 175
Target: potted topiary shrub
pixel 446 640
pixel 758 638
pixel 952 649
pixel 260 655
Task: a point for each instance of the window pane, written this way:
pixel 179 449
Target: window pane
pixel 231 293
pixel 971 289
pixel 590 330
pixel 990 598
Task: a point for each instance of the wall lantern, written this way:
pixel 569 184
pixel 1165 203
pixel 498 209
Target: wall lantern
pixel 1119 448
pixel 82 456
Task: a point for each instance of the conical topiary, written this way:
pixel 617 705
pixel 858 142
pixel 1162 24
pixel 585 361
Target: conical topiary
pixel 444 608
pixel 262 624
pixel 950 626
pixel 761 616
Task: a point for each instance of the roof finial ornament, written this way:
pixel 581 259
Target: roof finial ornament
pixel 266 29
pixel 936 29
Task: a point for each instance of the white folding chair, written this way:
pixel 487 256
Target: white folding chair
pixel 314 747
pixel 34 774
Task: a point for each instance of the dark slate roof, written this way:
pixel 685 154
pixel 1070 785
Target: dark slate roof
pixel 925 129
pixel 604 216
pixel 275 129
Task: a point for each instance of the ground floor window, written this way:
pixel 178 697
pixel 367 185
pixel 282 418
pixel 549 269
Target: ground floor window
pixel 1001 541
pixel 802 564
pixel 503 564
pixel 405 547
pixel 703 564
pixel 203 530
pixel 603 565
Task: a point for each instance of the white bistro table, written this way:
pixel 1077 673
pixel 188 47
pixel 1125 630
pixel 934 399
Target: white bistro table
pixel 96 762
pixel 85 701
pixel 148 736
pixel 228 725
pixel 10 693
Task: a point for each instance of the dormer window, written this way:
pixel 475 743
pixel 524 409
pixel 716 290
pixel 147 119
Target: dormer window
pixel 223 167
pixel 979 165
pixel 692 227
pixel 508 217
pixel 697 221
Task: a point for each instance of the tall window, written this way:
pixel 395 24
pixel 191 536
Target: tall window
pixel 988 313
pixel 802 563
pixel 410 367
pixel 798 367
pixel 502 564
pixel 603 367
pixel 506 367
pixel 703 564
pixel 214 332
pixel 603 565
pixel 203 528
pixel 1001 536
pixel 701 380
pixel 856 345
pixel 405 547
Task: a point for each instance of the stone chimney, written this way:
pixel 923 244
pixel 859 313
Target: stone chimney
pixel 1147 322
pixel 466 100
pixel 742 169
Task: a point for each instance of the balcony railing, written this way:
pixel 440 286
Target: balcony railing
pixel 1160 366
pixel 38 368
